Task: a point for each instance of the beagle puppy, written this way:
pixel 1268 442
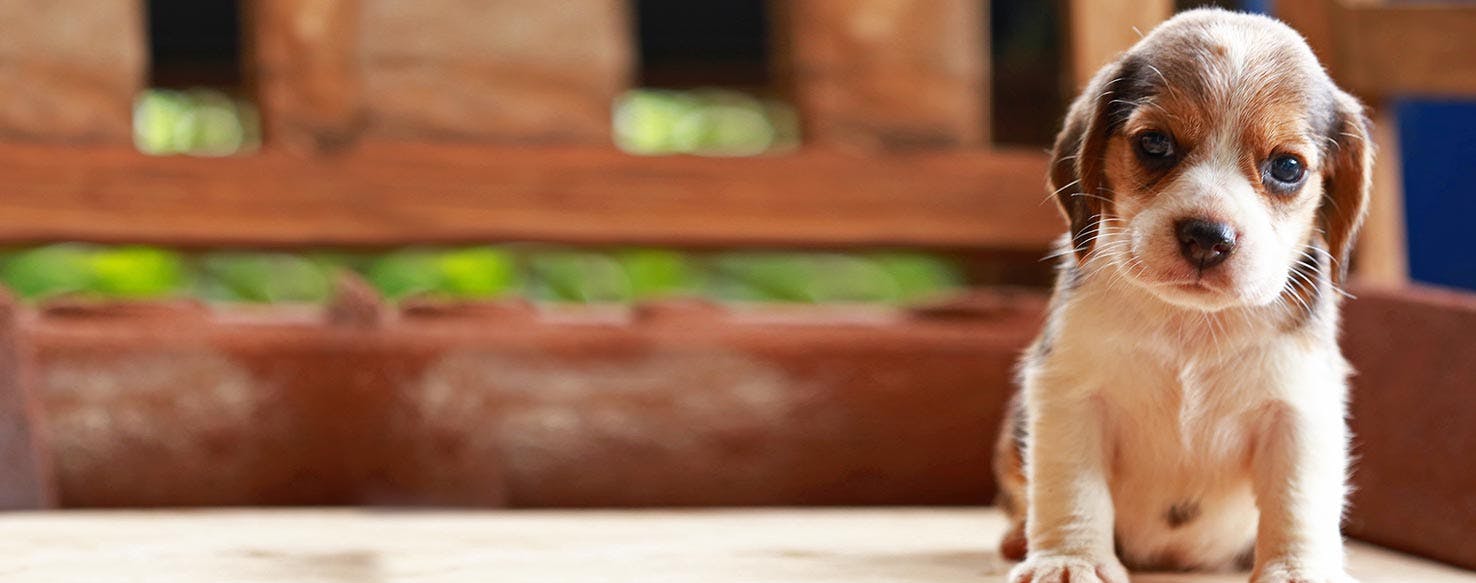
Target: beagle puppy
pixel 1183 407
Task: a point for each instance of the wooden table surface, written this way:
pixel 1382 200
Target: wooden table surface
pixel 372 546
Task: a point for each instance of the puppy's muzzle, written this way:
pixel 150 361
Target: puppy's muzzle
pixel 1203 243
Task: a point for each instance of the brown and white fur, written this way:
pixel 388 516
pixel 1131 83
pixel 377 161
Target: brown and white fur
pixel 1184 406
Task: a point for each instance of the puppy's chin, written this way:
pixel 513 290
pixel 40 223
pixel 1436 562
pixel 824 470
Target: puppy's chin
pixel 1207 294
pixel 1198 297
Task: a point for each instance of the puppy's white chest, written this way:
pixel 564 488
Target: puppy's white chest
pixel 1179 470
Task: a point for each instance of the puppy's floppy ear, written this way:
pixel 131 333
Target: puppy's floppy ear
pixel 1077 174
pixel 1347 179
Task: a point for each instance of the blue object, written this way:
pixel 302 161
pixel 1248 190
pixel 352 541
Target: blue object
pixel 1437 140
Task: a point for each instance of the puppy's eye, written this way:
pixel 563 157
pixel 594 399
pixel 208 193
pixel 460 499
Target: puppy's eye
pixel 1156 145
pixel 1287 170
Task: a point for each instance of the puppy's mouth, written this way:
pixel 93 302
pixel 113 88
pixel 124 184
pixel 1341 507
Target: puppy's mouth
pixel 1194 287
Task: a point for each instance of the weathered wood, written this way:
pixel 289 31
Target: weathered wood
pixel 724 546
pixel 1407 48
pixel 1382 255
pixel 501 70
pixel 70 69
pixel 26 481
pixel 1098 30
pixel 662 406
pixel 875 74
pixel 306 63
pixel 392 194
pixel 1414 420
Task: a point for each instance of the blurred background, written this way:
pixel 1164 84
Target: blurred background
pixel 625 252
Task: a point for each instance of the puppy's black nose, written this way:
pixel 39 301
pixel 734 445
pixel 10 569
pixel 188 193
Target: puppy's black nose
pixel 1205 243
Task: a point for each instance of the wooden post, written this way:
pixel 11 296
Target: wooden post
pixel 887 74
pixel 494 70
pixel 1100 29
pixel 69 69
pixel 307 72
pixel 1383 252
pixel 26 480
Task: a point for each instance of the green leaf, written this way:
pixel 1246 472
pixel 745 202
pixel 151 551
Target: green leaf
pixel 137 272
pixel 575 276
pixel 655 273
pixel 478 272
pixel 49 271
pixel 919 276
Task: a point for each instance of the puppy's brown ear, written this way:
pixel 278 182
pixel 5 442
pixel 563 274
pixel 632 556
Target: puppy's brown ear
pixel 1347 179
pixel 1077 165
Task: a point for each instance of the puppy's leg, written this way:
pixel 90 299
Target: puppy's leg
pixel 1009 475
pixel 1070 519
pixel 1299 470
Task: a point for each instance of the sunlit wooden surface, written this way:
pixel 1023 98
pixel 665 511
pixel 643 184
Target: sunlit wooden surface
pixel 308 546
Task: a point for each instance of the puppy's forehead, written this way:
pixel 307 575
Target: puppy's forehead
pixel 1234 68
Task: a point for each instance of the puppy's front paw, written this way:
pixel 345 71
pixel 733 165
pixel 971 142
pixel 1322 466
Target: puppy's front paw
pixel 1293 573
pixel 1069 569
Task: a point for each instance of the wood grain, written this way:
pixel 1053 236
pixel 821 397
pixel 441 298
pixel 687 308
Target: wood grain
pixel 26 482
pixel 888 74
pixel 1098 30
pixel 339 546
pixel 392 194
pixel 69 69
pixel 495 70
pixel 1414 420
pixel 306 67
pixel 1407 48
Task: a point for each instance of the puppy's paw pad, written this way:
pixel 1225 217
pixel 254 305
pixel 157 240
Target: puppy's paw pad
pixel 1068 569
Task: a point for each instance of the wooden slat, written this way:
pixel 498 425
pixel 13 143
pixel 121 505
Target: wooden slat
pixel 501 70
pixel 874 74
pixel 382 194
pixel 306 67
pixel 1100 29
pixel 1383 249
pixel 1414 420
pixel 26 481
pixel 938 545
pixel 69 69
pixel 1420 48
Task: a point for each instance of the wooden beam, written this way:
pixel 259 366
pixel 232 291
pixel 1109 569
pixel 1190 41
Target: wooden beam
pixel 1098 30
pixel 70 69
pixel 883 74
pixel 1407 48
pixel 386 194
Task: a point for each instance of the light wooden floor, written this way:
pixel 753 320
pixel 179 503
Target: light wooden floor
pixel 368 546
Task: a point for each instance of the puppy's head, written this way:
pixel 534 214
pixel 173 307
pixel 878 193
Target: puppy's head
pixel 1211 160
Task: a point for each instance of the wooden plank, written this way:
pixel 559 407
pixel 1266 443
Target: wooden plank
pixel 715 546
pixel 1414 420
pixel 1404 48
pixel 875 74
pixel 486 404
pixel 1098 30
pixel 306 68
pixel 388 194
pixel 70 69
pixel 26 483
pixel 1382 254
pixel 501 70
